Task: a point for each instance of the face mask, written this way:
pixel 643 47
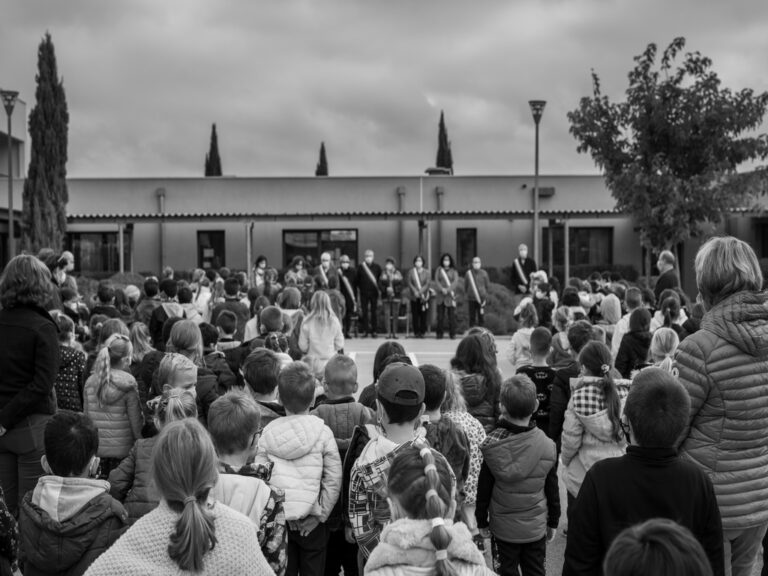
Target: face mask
pixel 446 263
pixel 476 265
pixel 523 254
pixel 369 260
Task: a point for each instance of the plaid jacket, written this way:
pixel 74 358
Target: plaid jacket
pixel 368 509
pixel 273 537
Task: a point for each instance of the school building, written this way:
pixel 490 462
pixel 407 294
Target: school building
pixel 228 221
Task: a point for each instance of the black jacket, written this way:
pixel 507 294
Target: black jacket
pixel 665 281
pixel 29 363
pixel 558 402
pixel 633 353
pixel 643 484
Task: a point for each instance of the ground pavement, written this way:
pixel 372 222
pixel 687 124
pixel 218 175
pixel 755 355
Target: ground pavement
pixel 439 353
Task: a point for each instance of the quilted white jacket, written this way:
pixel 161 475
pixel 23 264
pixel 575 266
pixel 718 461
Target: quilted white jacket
pixel 307 464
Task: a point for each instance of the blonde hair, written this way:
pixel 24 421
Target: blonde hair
pixel 320 309
pixel 177 371
pixel 140 340
pixel 184 471
pixel 116 349
pixel 724 266
pixel 454 395
pixel 663 346
pixel 562 318
pixel 186 339
pixel 175 404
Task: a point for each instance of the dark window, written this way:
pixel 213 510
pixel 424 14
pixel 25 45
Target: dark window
pixel 466 247
pixel 97 252
pixel 211 249
pixel 311 243
pixel 588 246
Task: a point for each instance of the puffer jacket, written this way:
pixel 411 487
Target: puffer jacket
pixel 66 523
pixel 588 434
pixel 482 398
pixel 407 550
pixel 520 464
pixel 306 464
pixel 119 419
pixel 131 481
pixel 723 367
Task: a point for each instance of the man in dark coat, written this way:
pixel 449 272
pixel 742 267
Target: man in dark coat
pixel 368 274
pixel 522 268
pixel 667 276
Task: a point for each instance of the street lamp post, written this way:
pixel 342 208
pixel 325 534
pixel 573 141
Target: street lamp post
pixel 9 101
pixel 537 109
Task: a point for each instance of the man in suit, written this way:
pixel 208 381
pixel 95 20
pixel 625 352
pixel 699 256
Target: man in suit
pixel 368 274
pixel 667 276
pixel 522 268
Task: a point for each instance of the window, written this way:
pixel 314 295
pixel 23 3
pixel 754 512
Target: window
pixel 466 247
pixel 588 246
pixel 210 249
pixel 311 243
pixel 97 252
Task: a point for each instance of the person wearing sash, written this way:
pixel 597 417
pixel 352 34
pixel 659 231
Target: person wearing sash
pixel 259 269
pixel 446 280
pixel 418 284
pixel 522 268
pixel 347 285
pixel 476 288
pixel 368 274
pixel 391 283
pixel 324 272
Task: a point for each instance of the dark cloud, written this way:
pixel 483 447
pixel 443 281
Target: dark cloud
pixel 145 79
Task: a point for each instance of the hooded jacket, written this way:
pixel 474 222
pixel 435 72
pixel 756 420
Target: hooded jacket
pixel 723 367
pixel 66 523
pixel 119 418
pixel 406 550
pixel 482 398
pixel 588 434
pixel 633 353
pixel 518 483
pixel 131 481
pixel 306 464
pixel 162 312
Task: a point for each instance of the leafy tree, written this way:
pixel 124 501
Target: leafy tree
pixel 444 154
pixel 212 159
pixel 45 189
pixel 671 150
pixel 322 164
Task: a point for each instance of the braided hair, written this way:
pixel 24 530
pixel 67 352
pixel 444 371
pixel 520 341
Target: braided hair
pixel 421 482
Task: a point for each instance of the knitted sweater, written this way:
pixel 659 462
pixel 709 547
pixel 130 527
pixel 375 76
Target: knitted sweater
pixel 144 548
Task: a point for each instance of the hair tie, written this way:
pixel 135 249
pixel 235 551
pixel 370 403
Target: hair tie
pixel 441 554
pixel 189 499
pixel 425 451
pixel 432 492
pixel 605 368
pixel 438 522
pixel 429 467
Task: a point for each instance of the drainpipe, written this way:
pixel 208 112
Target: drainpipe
pixel 439 192
pixel 161 210
pixel 400 227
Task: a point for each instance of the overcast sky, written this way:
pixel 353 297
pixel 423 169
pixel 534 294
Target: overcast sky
pixel 146 78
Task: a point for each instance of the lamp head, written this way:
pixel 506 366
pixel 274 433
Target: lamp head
pixel 9 100
pixel 537 109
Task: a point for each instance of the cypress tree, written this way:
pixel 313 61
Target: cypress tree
pixel 444 154
pixel 45 195
pixel 322 164
pixel 212 159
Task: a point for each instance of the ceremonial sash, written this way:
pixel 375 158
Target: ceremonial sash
pixel 345 281
pixel 520 273
pixel 371 277
pixel 475 290
pixel 325 277
pixel 448 285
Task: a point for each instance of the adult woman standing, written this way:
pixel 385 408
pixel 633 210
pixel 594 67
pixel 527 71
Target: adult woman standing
pixel 446 281
pixel 418 283
pixel 29 363
pixel 321 336
pixel 723 368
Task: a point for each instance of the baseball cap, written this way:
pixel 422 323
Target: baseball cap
pixel 401 384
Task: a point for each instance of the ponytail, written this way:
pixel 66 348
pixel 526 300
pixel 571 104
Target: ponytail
pixel 596 358
pixel 175 404
pixel 436 510
pixel 102 372
pixel 194 535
